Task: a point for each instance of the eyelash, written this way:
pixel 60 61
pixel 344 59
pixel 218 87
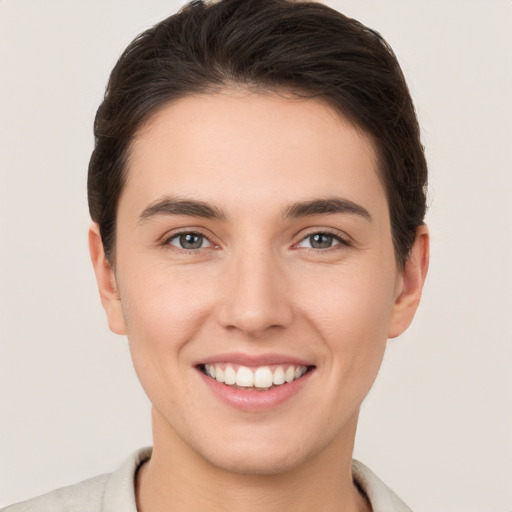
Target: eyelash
pixel 176 236
pixel 341 240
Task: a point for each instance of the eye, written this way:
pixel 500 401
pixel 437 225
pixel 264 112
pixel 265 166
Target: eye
pixel 320 241
pixel 189 241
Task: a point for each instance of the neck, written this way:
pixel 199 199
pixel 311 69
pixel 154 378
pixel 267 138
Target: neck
pixel 179 479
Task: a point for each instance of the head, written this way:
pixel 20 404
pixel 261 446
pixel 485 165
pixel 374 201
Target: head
pixel 257 189
pixel 306 50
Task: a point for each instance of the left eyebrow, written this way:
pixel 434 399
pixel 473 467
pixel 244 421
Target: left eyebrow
pixel 330 205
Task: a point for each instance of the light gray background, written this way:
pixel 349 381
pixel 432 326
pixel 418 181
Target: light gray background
pixel 437 426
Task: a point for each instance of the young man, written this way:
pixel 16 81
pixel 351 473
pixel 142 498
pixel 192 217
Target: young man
pixel 257 191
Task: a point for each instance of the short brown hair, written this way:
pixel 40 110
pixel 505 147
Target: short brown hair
pixel 303 48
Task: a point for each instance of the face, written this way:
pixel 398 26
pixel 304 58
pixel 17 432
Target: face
pixel 255 277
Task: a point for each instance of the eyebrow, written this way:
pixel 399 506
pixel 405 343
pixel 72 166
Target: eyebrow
pixel 194 208
pixel 176 206
pixel 330 205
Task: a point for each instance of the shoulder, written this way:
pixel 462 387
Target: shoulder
pixel 105 493
pixel 84 496
pixel 381 497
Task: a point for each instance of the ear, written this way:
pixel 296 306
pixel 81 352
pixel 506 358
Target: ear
pixel 410 284
pixel 107 286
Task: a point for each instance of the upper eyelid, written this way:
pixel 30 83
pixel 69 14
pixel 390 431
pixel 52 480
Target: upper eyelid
pixel 183 231
pixel 165 242
pixel 341 235
pixel 339 241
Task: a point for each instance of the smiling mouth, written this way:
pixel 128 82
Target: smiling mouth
pixel 260 378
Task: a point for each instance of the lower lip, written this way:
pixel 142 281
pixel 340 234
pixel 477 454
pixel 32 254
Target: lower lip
pixel 255 400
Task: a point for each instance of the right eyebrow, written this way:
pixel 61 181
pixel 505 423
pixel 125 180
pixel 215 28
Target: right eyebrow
pixel 168 205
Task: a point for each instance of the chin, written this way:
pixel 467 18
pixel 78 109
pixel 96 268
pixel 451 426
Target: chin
pixel 259 453
pixel 257 462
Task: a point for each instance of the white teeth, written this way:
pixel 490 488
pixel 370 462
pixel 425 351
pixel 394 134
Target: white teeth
pixel 263 377
pixel 219 374
pixel 260 378
pixel 279 377
pixel 290 374
pixel 229 376
pixel 244 377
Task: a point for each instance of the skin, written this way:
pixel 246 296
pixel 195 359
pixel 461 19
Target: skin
pixel 257 285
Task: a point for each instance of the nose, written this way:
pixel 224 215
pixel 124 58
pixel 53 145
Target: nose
pixel 256 296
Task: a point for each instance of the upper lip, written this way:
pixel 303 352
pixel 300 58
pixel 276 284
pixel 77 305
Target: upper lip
pixel 254 360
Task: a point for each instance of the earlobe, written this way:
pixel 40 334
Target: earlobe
pixel 106 281
pixel 411 284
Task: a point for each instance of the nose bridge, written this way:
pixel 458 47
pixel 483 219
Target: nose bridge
pixel 255 297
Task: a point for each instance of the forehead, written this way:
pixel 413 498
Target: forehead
pixel 240 147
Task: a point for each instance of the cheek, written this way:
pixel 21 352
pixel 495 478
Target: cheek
pixel 161 300
pixel 357 296
pixel 163 311
pixel 351 309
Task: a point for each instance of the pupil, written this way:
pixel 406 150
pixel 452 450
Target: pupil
pixel 321 241
pixel 191 241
